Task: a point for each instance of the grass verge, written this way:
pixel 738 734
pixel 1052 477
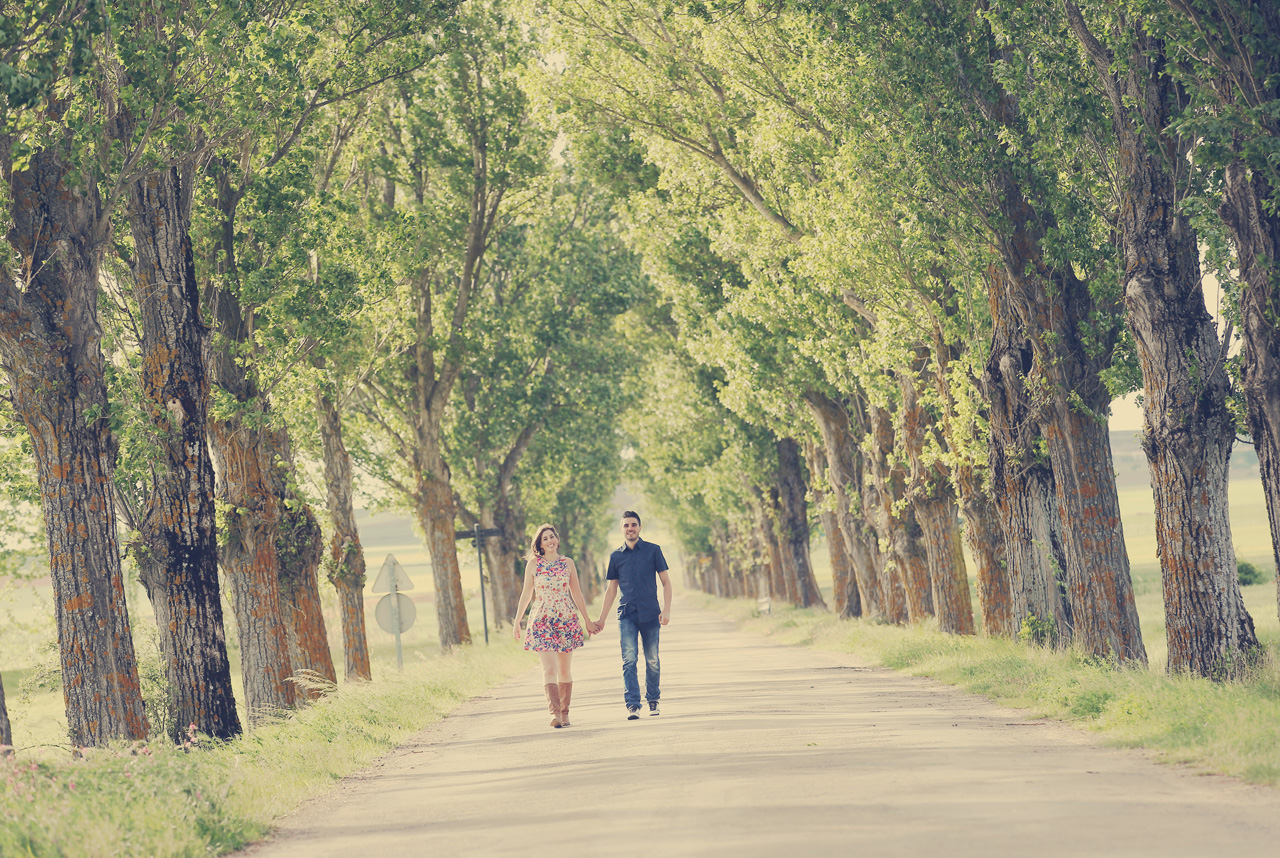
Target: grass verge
pixel 163 800
pixel 1231 728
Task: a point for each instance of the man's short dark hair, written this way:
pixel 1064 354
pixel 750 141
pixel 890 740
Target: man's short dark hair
pixel 631 513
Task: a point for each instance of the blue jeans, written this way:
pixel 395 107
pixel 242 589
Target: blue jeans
pixel 648 634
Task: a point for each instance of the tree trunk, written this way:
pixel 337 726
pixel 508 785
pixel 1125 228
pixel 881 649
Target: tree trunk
pixel 50 347
pixel 951 599
pixel 299 547
pixel 795 527
pixel 986 541
pixel 346 568
pixel 898 522
pixel 1187 429
pixel 178 542
pixel 1022 487
pixel 502 554
pixel 934 502
pixel 435 512
pixel 6 731
pixel 844 472
pixel 982 524
pixel 844 584
pixel 1250 211
pixel 770 549
pixel 1055 308
pixel 1052 304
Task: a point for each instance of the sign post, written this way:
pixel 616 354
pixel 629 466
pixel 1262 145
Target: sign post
pixel 395 612
pixel 479 534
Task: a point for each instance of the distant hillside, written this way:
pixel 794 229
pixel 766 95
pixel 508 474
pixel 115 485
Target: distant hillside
pixel 1131 462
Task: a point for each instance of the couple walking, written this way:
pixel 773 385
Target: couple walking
pixel 554 631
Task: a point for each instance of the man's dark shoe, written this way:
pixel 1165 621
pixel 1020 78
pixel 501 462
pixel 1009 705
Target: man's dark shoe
pixel 653 708
pixel 633 712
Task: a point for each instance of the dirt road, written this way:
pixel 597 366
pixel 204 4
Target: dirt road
pixel 765 750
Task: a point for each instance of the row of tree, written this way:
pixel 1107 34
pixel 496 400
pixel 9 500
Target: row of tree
pixel 912 250
pixel 252 248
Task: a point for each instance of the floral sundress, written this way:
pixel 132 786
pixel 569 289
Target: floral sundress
pixel 554 626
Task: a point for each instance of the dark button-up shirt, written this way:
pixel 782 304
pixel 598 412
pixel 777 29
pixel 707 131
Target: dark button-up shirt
pixel 636 571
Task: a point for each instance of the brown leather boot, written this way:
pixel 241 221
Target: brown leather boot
pixel 553 704
pixel 566 692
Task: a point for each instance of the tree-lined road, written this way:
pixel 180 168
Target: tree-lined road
pixel 762 749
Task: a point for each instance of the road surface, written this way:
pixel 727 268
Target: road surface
pixel 767 750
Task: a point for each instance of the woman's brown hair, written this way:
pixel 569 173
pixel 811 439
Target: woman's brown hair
pixel 536 546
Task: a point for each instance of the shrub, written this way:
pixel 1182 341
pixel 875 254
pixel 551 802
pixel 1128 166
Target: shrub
pixel 1249 573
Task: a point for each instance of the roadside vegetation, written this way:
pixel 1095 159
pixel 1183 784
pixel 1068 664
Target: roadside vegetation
pixel 1228 727
pixel 163 799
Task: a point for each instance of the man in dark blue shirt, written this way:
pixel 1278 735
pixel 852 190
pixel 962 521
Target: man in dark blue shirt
pixel 635 569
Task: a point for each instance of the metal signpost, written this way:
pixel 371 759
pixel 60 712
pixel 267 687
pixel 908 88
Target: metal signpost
pixel 479 534
pixel 395 612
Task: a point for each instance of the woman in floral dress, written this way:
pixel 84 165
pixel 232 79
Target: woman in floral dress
pixel 554 631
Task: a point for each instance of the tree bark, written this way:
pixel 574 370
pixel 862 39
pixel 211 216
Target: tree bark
pixel 845 473
pixel 1022 485
pixel 6 731
pixel 1249 80
pixel 249 557
pixel 299 547
pixel 177 542
pixel 503 552
pixel 983 530
pixel 898 521
pixel 50 347
pixel 1187 429
pixel 844 583
pixel 986 541
pixel 951 598
pixel 435 512
pixel 771 552
pixel 346 567
pixel 935 506
pixel 795 527
pixel 1054 307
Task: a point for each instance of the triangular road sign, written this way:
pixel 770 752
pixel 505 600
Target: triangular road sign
pixel 392 577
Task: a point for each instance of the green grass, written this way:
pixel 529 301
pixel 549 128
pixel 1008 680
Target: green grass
pixel 1231 728
pixel 163 800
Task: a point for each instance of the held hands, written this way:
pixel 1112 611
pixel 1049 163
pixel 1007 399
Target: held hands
pixel 595 627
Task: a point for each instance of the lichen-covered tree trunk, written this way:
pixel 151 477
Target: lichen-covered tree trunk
pixel 1071 341
pixel 299 547
pixel 1052 305
pixel 346 567
pixel 982 522
pixel 50 348
pixel 177 544
pixel 933 500
pixel 794 532
pixel 250 561
pixel 1187 429
pixel 986 541
pixel 844 473
pixel 1022 486
pixel 435 513
pixel 941 528
pixel 1104 617
pixel 898 522
pixel 251 565
pixel 1249 209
